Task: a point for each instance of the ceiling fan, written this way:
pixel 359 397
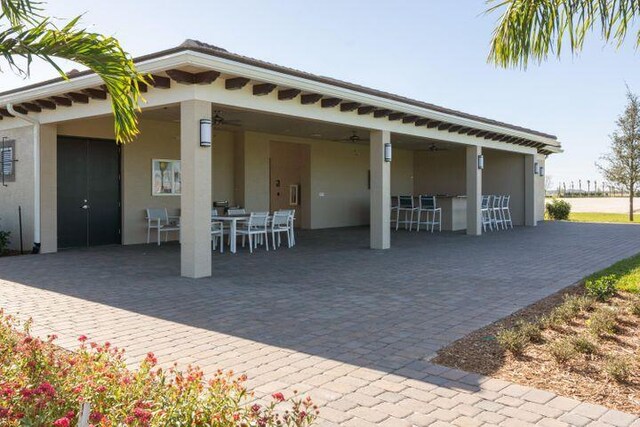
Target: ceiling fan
pixel 218 120
pixel 354 138
pixel 433 147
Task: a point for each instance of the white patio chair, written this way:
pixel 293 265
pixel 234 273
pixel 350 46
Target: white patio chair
pixel 496 212
pixel 236 211
pixel 280 223
pixel 407 205
pixel 217 235
pixel 506 211
pixel 394 209
pixel 292 219
pixel 427 205
pixel 485 213
pixel 255 228
pixel 158 219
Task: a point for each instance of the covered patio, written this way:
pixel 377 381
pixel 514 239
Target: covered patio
pixel 218 126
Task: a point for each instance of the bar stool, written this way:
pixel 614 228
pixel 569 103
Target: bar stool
pixel 427 204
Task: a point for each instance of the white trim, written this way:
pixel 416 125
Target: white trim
pixel 260 74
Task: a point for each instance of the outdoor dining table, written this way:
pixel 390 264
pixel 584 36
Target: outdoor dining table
pixel 233 227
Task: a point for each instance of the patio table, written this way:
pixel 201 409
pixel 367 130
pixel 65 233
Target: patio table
pixel 233 226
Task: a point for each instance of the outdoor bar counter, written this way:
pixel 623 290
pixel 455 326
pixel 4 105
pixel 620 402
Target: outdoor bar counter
pixel 454 212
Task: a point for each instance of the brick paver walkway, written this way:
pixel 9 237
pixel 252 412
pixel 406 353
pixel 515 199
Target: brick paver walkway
pixel 354 328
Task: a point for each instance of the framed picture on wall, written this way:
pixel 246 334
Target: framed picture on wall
pixel 166 177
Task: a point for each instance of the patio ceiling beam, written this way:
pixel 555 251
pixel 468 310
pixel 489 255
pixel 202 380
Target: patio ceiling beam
pixel 367 109
pixel 330 102
pixel 263 89
pixel 409 119
pixel 349 106
pixel 185 77
pixel 310 98
pixel 160 82
pixel 396 116
pixel 35 108
pixel 95 93
pixel 288 94
pixel 381 113
pixel 46 104
pixel 61 100
pixel 236 83
pixel 78 97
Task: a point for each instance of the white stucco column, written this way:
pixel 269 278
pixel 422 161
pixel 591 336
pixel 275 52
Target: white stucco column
pixel 474 191
pixel 380 193
pixel 48 188
pixel 530 190
pixel 195 203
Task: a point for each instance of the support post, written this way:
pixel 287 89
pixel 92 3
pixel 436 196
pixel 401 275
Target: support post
pixel 530 191
pixel 195 202
pixel 474 191
pixel 380 193
pixel 49 188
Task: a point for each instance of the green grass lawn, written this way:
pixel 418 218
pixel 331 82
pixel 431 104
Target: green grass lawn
pixel 602 217
pixel 628 272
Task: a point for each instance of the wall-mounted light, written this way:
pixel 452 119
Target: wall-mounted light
pixel 541 170
pixel 480 162
pixel 387 152
pixel 205 132
pixel 536 168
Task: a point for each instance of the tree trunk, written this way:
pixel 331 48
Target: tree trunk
pixel 631 205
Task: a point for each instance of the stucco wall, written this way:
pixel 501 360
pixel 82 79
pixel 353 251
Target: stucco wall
pixel 19 192
pixel 440 172
pixel 504 174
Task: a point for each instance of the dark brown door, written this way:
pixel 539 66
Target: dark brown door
pixel 88 192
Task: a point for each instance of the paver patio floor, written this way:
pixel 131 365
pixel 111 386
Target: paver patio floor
pixel 352 327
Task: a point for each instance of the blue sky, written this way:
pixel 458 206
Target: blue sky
pixel 432 50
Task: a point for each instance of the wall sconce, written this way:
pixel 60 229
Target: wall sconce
pixel 205 132
pixel 541 170
pixel 387 152
pixel 536 168
pixel 480 162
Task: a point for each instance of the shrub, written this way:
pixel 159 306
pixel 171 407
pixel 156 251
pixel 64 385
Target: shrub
pixel 562 351
pixel 41 385
pixel 531 331
pixel 602 322
pixel 634 308
pixel 602 288
pixel 558 209
pixel 578 303
pixel 5 239
pixel 512 340
pixel 618 368
pixel 583 344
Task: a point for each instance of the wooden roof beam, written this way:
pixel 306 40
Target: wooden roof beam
pixel 330 102
pixel 5 113
pixel 78 97
pixel 35 108
pixel 310 98
pixel 444 126
pixel 95 93
pixel 263 89
pixel 236 83
pixel 381 113
pixel 288 94
pixel 185 77
pixel 62 100
pixel 368 109
pixel 349 106
pixel 396 116
pixel 46 104
pixel 409 119
pixel 160 82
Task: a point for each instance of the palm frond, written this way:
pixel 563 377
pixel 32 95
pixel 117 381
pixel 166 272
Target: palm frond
pixel 17 11
pixel 103 55
pixel 532 30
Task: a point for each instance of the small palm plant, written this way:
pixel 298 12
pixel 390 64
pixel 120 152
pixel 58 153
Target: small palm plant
pixel 26 34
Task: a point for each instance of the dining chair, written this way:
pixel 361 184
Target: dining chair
pixel 427 205
pixel 217 235
pixel 158 219
pixel 255 228
pixel 496 212
pixel 280 224
pixel 485 213
pixel 506 211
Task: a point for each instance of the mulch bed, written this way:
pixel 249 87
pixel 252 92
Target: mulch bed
pixel 583 378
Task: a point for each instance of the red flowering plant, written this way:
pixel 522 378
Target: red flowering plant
pixel 43 385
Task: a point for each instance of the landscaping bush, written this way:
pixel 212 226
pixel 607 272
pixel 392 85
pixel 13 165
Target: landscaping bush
pixel 578 303
pixel 512 340
pixel 618 368
pixel 531 331
pixel 583 344
pixel 5 239
pixel 562 351
pixel 42 385
pixel 634 307
pixel 558 209
pixel 602 288
pixel 602 322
